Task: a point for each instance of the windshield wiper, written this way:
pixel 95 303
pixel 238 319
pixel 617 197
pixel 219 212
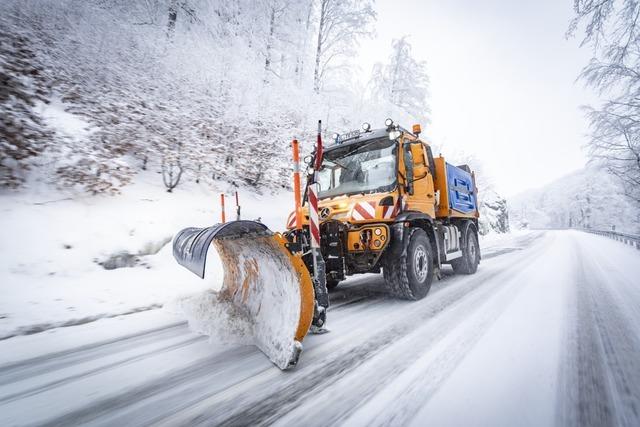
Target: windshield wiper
pixel 338 163
pixel 357 150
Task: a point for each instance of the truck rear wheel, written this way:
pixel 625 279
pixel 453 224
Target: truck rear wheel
pixel 410 276
pixel 468 262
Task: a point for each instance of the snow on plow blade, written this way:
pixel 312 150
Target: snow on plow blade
pixel 262 279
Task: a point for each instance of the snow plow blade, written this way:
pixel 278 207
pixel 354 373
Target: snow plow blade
pixel 267 283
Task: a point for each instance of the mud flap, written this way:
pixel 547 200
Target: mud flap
pixel 268 284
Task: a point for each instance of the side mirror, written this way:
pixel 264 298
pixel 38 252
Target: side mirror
pixel 408 167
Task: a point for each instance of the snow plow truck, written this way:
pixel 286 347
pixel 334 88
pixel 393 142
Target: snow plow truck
pixel 374 201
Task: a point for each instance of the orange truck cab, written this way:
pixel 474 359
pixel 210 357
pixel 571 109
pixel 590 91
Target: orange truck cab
pixel 385 203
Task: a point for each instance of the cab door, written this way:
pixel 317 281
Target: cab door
pixel 423 197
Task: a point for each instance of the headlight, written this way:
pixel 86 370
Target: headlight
pixel 378 231
pixel 388 123
pixel 366 127
pixel 394 134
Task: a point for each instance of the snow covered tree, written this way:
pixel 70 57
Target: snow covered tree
pixel 275 9
pixel 340 25
pixel 200 90
pixel 494 214
pixel 403 81
pixel 589 198
pixel 615 143
pixel 612 29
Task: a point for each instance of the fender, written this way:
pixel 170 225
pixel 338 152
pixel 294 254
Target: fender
pixel 413 216
pixel 396 247
pixel 399 232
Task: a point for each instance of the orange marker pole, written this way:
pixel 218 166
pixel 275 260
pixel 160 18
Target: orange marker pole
pixel 296 182
pixel 222 206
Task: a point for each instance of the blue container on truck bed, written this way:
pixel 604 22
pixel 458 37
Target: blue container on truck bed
pixel 462 197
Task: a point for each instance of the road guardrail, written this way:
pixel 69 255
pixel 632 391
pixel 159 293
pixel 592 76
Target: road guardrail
pixel 627 239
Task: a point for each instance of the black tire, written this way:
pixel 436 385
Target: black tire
pixel 468 262
pixel 332 284
pixel 410 276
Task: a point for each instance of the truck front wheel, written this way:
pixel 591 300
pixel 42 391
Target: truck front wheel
pixel 468 262
pixel 410 276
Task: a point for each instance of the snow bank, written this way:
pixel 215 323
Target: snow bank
pixel 53 242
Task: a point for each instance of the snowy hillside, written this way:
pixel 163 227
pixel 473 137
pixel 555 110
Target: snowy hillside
pixel 61 265
pixel 588 198
pixel 198 91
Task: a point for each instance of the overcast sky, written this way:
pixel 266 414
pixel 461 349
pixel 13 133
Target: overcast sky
pixel 503 82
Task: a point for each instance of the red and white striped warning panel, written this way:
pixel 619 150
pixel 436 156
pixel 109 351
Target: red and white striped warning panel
pixel 291 220
pixel 314 223
pixel 389 212
pixel 363 211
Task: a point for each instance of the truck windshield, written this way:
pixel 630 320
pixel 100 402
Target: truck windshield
pixel 369 167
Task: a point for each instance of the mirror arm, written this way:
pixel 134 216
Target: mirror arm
pixel 408 164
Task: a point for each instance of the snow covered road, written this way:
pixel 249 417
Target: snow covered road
pixel 547 332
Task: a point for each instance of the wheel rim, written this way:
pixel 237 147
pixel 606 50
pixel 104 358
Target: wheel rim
pixel 472 250
pixel 420 263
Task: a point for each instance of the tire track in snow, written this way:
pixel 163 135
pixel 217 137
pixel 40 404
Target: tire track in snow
pixel 520 243
pixel 192 372
pixel 136 357
pixel 258 401
pixel 47 363
pixel 182 384
pixel 321 356
pixel 149 337
pixel 179 378
pixel 431 353
pixel 600 378
pixel 93 371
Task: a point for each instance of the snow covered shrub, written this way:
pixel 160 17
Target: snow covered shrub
pixel 494 214
pixel 23 84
